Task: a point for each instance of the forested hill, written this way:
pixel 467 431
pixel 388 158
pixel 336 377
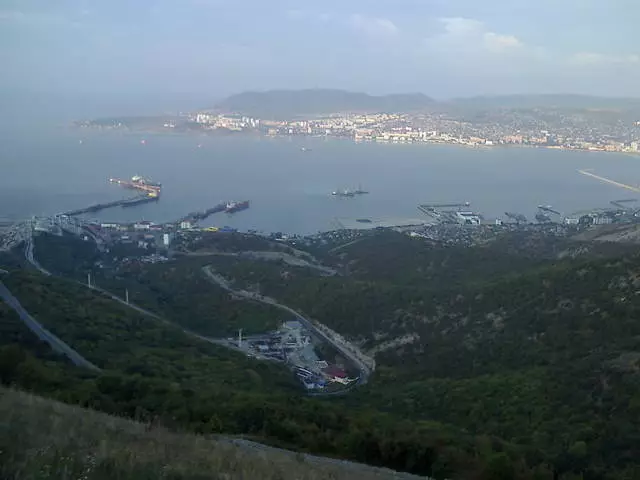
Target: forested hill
pixel 518 358
pixel 287 103
pixel 154 373
pixel 532 339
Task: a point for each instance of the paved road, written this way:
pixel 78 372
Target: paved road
pixel 59 346
pixel 28 253
pixel 42 333
pixel 365 370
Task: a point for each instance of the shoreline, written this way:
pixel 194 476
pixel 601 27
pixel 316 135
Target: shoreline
pixel 254 135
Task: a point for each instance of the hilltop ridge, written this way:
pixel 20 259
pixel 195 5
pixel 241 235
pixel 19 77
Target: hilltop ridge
pixel 287 103
pixel 316 101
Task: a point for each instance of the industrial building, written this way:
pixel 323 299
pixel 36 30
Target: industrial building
pixel 293 344
pixel 467 218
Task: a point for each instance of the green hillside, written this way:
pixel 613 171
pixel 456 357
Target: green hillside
pixel 152 371
pixel 536 342
pixel 518 358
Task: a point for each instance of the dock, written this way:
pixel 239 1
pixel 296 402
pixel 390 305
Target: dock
pixel 152 194
pixel 197 216
pixel 372 223
pixel 548 209
pixel 609 181
pixel 126 202
pixel 429 207
pixel 620 203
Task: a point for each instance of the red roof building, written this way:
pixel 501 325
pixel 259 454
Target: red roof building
pixel 335 374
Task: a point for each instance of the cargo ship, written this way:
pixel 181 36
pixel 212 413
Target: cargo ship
pixel 233 207
pixel 343 193
pixel 349 193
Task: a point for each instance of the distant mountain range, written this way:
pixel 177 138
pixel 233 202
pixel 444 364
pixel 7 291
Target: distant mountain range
pixel 571 101
pixel 318 101
pixel 287 103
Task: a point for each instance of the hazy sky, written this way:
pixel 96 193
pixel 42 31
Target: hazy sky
pixel 210 48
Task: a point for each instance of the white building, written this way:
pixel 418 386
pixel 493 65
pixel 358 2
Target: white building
pixel 186 225
pixel 602 220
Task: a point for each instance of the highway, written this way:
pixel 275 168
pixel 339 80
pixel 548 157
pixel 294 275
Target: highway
pixel 42 333
pixel 365 370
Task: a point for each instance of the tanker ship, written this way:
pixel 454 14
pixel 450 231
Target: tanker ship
pixel 137 179
pixel 139 183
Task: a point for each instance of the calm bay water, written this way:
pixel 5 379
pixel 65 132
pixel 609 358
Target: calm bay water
pixel 46 172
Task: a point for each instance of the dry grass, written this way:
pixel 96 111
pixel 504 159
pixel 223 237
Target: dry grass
pixel 41 439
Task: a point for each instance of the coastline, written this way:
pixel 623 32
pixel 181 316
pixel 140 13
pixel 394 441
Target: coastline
pixel 251 134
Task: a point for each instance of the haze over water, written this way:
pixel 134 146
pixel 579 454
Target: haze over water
pixel 49 172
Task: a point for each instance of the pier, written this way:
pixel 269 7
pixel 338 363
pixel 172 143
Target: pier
pixel 152 194
pixel 434 209
pixel 609 181
pixel 620 203
pixel 126 202
pixel 548 209
pixel 196 216
pixel 432 206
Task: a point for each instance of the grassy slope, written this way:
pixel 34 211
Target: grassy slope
pixel 41 438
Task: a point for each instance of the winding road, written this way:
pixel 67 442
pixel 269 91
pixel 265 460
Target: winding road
pixel 365 370
pixel 363 367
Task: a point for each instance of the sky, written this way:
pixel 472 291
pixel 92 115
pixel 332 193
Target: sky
pixel 197 51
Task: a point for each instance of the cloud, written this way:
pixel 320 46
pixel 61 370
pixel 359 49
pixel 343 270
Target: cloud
pixel 36 19
pixel 497 43
pixel 373 26
pixel 305 15
pixel 593 59
pixel 467 35
pixel 367 26
pixel 11 15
